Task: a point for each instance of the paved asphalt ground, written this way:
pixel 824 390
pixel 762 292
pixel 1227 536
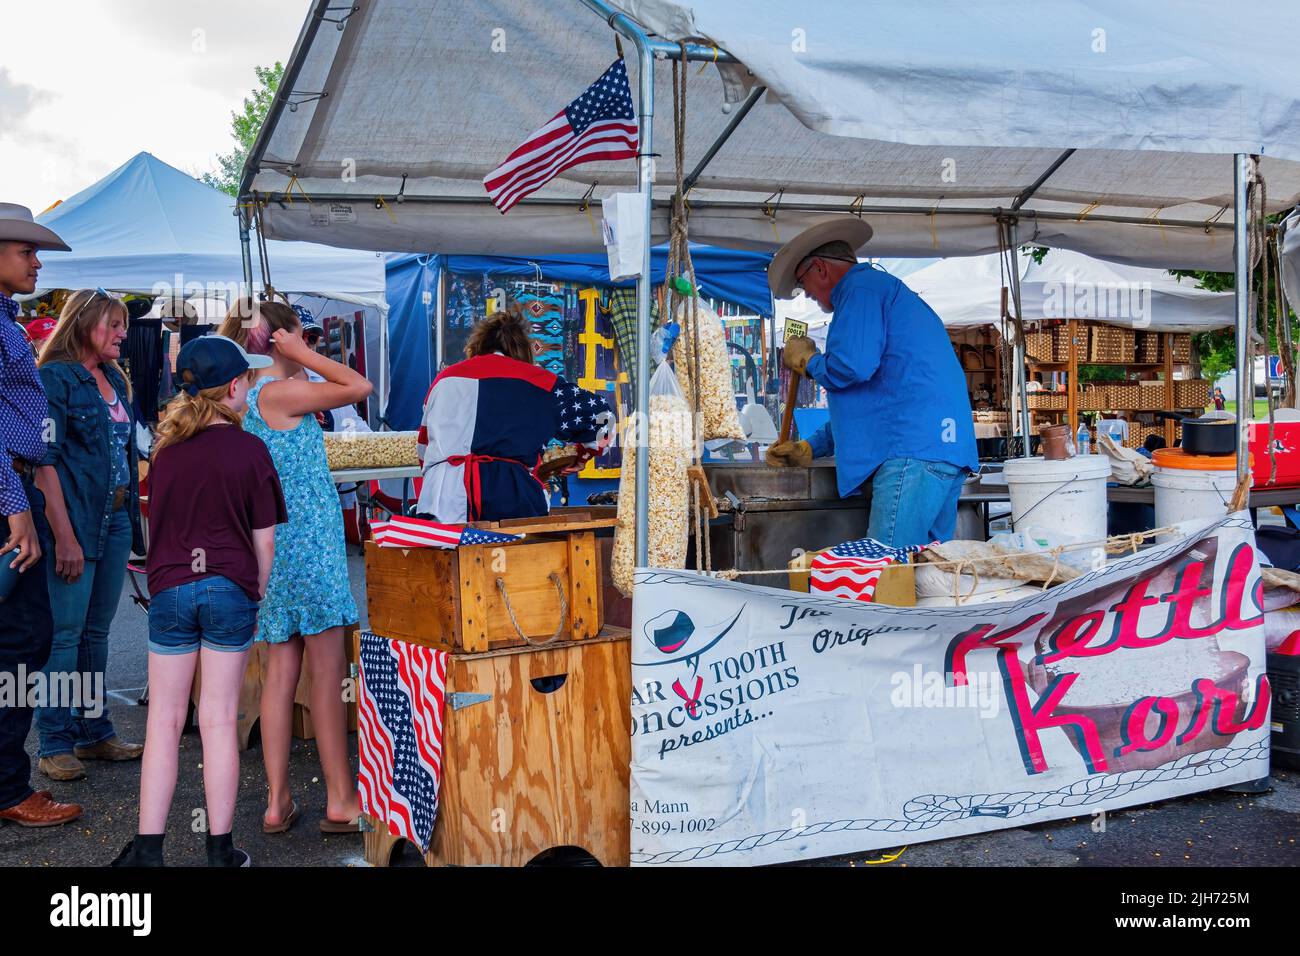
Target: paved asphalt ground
pixel 1215 829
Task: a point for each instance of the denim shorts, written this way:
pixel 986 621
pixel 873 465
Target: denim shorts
pixel 211 612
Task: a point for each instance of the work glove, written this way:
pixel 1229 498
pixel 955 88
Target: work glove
pixel 797 353
pixel 790 454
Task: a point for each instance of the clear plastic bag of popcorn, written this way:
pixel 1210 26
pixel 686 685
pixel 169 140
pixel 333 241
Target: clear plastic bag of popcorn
pixel 671 442
pixel 718 415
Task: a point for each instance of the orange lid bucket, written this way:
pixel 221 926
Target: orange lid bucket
pixel 1177 458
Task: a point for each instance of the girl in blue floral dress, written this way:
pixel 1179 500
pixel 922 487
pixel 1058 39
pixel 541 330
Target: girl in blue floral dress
pixel 308 600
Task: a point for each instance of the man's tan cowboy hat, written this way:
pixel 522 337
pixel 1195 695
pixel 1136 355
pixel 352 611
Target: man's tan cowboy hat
pixel 17 225
pixel 780 271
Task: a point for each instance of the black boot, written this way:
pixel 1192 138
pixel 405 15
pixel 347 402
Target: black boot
pixel 144 850
pixel 223 852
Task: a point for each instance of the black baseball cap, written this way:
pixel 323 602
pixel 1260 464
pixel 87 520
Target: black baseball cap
pixel 214 360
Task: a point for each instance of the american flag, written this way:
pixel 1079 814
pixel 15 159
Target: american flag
pixel 399 735
pixel 599 124
pixel 852 570
pixel 403 532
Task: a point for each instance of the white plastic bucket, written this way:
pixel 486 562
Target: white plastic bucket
pixel 1066 499
pixel 1184 494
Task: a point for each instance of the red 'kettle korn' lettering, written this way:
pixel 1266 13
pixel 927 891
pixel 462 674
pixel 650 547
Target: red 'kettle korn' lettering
pixel 1083 636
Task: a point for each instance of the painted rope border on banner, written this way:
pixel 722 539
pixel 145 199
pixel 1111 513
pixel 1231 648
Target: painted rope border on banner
pixel 1088 791
pixel 1153 555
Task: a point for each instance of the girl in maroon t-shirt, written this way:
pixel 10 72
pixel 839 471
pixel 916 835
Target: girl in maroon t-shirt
pixel 215 500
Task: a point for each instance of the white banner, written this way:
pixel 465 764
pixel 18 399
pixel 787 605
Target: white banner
pixel 771 726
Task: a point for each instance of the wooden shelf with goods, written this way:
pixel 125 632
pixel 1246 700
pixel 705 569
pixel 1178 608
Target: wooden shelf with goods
pixel 1079 343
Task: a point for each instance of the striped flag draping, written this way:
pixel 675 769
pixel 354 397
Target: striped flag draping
pixel 852 570
pixel 403 532
pixel 599 125
pixel 399 735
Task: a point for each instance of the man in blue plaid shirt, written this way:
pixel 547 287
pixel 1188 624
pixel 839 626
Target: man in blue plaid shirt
pixel 25 624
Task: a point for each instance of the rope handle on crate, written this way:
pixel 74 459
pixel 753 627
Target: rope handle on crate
pixel 564 611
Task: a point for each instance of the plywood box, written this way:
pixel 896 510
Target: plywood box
pixel 897 584
pixel 536 756
pixel 544 588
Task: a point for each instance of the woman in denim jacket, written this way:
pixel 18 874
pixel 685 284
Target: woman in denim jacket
pixel 92 503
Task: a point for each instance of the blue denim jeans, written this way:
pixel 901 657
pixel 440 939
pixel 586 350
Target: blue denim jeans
pixel 83 613
pixel 914 501
pixel 211 612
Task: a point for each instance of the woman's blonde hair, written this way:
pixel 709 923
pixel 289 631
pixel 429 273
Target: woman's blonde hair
pixel 251 323
pixel 187 415
pixel 82 312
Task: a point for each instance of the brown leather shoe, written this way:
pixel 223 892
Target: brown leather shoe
pixel 110 749
pixel 62 767
pixel 39 810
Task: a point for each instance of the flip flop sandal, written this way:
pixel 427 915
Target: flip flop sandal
pixel 334 826
pixel 285 825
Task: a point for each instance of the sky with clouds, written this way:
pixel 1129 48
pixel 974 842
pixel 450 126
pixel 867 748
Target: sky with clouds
pixel 87 84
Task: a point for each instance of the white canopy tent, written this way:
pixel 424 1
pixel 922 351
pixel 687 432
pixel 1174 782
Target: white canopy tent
pixel 1117 129
pixel 150 228
pixel 1070 285
pixel 967 292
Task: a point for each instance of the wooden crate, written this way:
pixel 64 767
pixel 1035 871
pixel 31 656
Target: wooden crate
pixel 1038 346
pixel 1096 397
pixel 462 599
pixel 1191 393
pixel 1112 345
pixel 1061 343
pixel 1151 396
pixel 1147 348
pixel 526 771
pixel 896 587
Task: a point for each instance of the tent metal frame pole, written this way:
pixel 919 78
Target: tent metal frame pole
pixel 1241 290
pixel 1023 389
pixel 1037 184
pixel 301 48
pixel 647 49
pixel 786 205
pixel 245 249
pixel 725 135
pixel 440 320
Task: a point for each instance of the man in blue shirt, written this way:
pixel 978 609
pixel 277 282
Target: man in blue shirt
pixel 900 416
pixel 26 625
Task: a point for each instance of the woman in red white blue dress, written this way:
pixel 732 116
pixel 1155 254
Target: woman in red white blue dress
pixel 486 421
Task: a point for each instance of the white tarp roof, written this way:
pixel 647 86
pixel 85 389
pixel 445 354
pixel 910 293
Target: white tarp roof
pixel 945 107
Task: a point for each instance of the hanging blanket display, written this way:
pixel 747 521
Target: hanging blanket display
pixel 773 726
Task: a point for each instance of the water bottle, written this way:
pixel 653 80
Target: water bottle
pixel 1082 439
pixel 661 342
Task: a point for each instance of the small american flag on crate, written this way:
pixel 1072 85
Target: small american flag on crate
pixel 402 532
pixel 399 735
pixel 852 570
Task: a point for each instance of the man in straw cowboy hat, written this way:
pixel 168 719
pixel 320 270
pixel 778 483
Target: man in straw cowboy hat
pixel 900 417
pixel 26 627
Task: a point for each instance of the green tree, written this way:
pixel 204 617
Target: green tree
pixel 245 126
